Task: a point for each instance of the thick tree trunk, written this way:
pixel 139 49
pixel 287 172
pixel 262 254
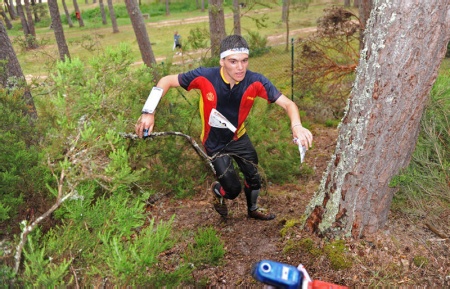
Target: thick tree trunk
pixel 12 76
pixel 405 43
pixel 112 15
pixel 364 13
pixel 236 17
pixel 58 30
pixel 141 34
pixel 216 25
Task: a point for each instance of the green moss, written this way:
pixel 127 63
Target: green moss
pixel 288 227
pixel 336 253
pixel 420 261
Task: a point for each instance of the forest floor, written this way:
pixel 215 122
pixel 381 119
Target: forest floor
pixel 404 253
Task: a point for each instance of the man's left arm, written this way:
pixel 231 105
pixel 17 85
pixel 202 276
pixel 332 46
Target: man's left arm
pixel 303 135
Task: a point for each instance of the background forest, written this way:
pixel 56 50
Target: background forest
pixel 76 154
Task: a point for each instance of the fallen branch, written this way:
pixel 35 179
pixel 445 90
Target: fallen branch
pixel 29 228
pixel 436 231
pixel 194 144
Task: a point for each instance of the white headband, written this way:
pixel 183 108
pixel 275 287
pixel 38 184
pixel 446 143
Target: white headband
pixel 233 51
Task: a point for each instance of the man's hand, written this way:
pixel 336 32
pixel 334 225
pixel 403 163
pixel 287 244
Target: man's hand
pixel 303 136
pixel 145 121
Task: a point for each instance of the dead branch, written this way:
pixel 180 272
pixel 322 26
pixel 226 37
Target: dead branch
pixel 436 231
pixel 194 144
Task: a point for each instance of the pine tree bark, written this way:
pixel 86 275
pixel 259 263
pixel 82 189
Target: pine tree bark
pixel 102 11
pixel 112 15
pixel 58 30
pixel 12 76
pixel 216 25
pixel 405 42
pixel 6 19
pixel 78 13
pixel 138 23
pixel 66 12
pixel 236 17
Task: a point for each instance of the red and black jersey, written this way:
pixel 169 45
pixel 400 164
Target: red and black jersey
pixel 234 103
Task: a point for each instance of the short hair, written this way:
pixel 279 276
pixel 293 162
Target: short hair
pixel 233 41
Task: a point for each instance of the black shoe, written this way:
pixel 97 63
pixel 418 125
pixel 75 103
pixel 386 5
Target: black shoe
pixel 259 215
pixel 219 201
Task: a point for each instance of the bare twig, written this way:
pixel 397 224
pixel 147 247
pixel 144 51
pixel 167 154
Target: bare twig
pixel 194 144
pixel 29 228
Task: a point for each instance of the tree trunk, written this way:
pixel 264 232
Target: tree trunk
pixel 23 20
pixel 365 6
pixel 284 10
pixel 58 30
pixel 356 3
pixel 346 3
pixel 216 25
pixel 12 75
pixel 167 8
pixel 112 15
pixel 236 17
pixel 78 13
pixel 30 20
pixel 141 34
pixel 6 19
pixel 405 43
pixel 11 9
pixel 102 11
pixel 35 11
pixel 66 12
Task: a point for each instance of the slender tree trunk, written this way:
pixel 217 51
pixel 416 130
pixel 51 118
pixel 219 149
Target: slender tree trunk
pixel 236 17
pixel 12 76
pixel 405 43
pixel 66 12
pixel 5 18
pixel 112 15
pixel 285 10
pixel 30 18
pixel 78 13
pixel 356 3
pixel 216 25
pixel 35 11
pixel 141 34
pixel 58 30
pixel 23 20
pixel 102 11
pixel 11 9
pixel 167 8
pixel 346 3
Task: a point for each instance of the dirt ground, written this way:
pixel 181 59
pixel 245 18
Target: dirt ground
pixel 386 259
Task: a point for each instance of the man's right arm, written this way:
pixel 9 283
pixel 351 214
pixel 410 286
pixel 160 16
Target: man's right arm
pixel 147 121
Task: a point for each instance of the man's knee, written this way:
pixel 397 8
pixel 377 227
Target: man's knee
pixel 232 190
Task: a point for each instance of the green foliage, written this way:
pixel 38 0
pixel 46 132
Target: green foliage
pixel 198 38
pixel 40 271
pixel 21 173
pixel 206 249
pixel 257 44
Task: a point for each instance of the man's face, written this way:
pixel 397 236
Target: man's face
pixel 234 67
